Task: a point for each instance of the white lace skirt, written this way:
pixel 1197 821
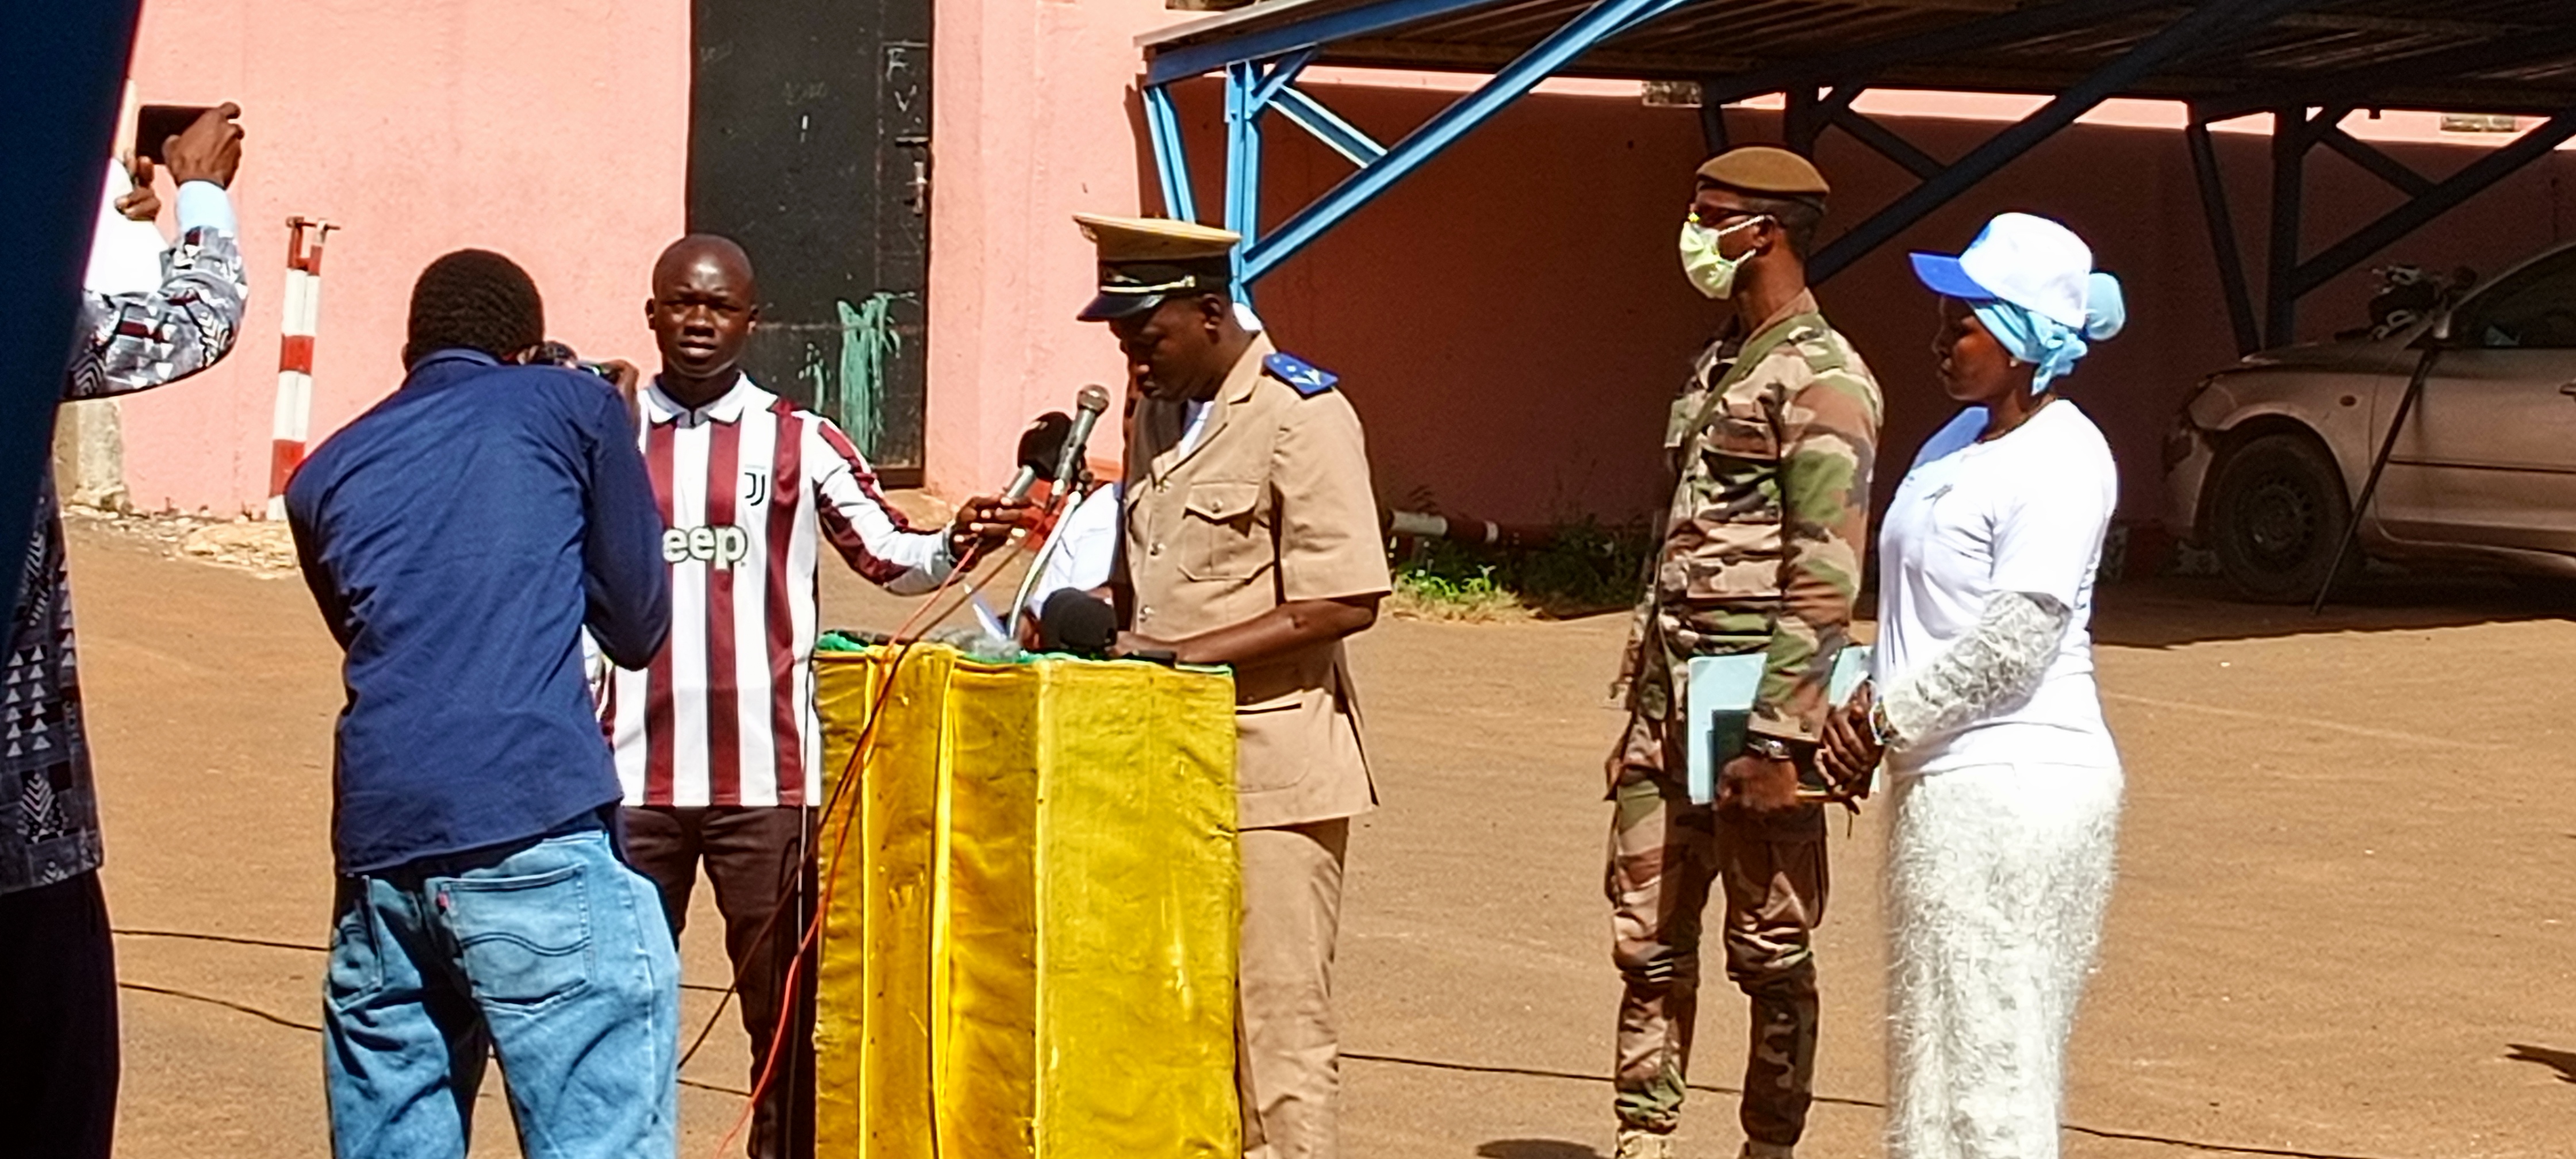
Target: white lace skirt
pixel 1997 880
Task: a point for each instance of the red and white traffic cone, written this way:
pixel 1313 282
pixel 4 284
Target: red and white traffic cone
pixel 295 357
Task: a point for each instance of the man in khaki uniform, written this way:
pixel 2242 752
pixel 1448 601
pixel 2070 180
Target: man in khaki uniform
pixel 1251 540
pixel 1771 442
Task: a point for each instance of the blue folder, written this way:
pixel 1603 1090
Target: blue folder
pixel 1719 705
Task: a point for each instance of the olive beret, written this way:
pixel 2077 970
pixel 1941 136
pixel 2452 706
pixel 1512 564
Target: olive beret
pixel 1765 170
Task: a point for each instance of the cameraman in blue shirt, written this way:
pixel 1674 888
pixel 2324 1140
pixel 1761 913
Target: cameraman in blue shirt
pixel 459 537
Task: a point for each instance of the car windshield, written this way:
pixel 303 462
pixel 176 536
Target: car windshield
pixel 2535 307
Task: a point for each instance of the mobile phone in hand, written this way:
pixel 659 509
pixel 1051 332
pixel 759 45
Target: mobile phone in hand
pixel 154 125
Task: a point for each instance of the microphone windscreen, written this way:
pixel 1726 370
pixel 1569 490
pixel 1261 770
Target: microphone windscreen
pixel 1077 623
pixel 1044 441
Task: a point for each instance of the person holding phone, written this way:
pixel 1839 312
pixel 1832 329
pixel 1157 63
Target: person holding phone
pixel 2004 781
pixel 58 1023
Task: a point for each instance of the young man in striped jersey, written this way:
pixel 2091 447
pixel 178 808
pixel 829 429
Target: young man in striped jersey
pixel 717 740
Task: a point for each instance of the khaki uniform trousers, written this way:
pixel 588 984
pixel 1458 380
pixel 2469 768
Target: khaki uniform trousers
pixel 1287 1051
pixel 1665 855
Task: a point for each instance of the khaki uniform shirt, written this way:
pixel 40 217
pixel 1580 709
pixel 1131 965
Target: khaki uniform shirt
pixel 1763 545
pixel 1271 505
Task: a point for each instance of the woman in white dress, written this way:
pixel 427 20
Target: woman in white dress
pixel 2004 783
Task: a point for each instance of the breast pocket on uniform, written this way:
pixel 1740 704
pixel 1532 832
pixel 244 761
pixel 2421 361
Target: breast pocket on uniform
pixel 1221 538
pixel 1738 480
pixel 1742 430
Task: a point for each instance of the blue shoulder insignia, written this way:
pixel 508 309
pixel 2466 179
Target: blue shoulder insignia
pixel 1305 380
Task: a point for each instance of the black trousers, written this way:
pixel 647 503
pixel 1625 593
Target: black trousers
pixel 758 859
pixel 58 1054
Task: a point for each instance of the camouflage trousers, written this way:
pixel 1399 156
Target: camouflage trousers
pixel 1665 855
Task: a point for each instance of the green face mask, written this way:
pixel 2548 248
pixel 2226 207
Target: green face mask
pixel 1711 271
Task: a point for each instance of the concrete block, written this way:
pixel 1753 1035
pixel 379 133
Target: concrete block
pixel 89 454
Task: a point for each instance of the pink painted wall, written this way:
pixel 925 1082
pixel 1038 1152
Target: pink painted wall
pixel 1030 125
pixel 554 132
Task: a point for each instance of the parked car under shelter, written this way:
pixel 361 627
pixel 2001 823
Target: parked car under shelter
pixel 2266 459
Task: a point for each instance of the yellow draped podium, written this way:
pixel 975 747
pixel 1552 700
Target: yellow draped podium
pixel 1029 949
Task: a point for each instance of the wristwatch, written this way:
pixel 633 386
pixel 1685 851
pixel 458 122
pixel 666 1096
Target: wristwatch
pixel 1769 746
pixel 1879 730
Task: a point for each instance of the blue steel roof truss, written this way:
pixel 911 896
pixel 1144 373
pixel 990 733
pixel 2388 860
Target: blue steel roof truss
pixel 1341 136
pixel 2211 19
pixel 2354 51
pixel 1251 91
pixel 1171 161
pixel 1866 59
pixel 1366 20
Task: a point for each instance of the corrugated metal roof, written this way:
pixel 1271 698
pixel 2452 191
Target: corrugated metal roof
pixel 2500 56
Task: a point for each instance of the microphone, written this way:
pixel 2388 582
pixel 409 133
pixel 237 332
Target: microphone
pixel 1077 623
pixel 1088 407
pixel 1039 448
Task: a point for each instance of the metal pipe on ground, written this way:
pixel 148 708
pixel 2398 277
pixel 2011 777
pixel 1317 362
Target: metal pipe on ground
pixel 1461 529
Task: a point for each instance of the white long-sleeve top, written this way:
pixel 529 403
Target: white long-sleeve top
pixel 1973 525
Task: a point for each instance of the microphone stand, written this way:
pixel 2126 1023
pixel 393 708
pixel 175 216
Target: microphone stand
pixel 1046 551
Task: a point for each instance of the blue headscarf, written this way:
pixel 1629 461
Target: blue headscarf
pixel 2047 343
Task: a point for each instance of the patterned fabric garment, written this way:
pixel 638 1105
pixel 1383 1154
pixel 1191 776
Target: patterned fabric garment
pixel 1999 662
pixel 130 342
pixel 750 487
pixel 1997 880
pixel 1762 548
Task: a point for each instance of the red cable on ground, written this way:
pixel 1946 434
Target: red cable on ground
pixel 770 925
pixel 796 964
pixel 902 641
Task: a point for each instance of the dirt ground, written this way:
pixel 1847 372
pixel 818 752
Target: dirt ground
pixel 2343 927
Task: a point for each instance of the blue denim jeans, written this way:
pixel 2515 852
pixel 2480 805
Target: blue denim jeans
pixel 552 956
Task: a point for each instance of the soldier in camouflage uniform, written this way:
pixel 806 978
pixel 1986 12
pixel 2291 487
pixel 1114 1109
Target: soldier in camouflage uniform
pixel 1772 442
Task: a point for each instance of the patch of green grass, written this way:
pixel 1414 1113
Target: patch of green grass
pixel 1581 569
pixel 1431 595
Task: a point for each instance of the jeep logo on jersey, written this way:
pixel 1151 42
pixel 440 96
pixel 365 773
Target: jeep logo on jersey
pixel 722 546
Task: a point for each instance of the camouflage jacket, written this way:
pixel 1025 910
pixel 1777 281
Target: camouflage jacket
pixel 1763 545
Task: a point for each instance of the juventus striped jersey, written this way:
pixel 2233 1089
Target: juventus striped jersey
pixel 747 485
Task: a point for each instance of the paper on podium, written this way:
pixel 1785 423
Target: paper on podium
pixel 1719 704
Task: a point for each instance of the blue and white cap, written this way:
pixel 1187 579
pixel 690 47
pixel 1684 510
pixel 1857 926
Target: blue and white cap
pixel 2031 284
pixel 2027 260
